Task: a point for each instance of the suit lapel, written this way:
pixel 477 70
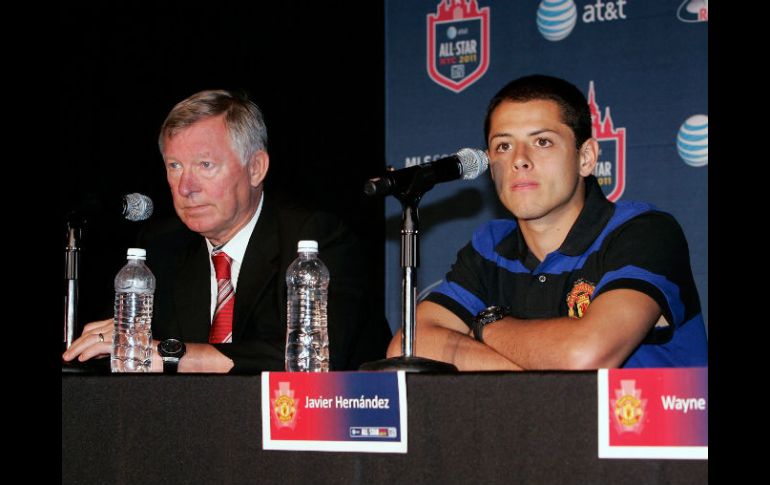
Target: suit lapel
pixel 192 296
pixel 259 267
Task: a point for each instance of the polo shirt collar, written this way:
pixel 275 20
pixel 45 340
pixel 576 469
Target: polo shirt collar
pixel 594 216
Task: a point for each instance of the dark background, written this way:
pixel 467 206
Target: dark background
pixel 314 68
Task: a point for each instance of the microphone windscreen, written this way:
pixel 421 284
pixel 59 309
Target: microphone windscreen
pixel 473 161
pixel 138 207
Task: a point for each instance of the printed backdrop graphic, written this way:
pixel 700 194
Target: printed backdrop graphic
pixel 642 65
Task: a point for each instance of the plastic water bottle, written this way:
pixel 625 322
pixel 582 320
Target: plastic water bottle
pixel 307 337
pixel 132 337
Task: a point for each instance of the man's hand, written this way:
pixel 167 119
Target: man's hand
pixel 442 335
pixel 96 341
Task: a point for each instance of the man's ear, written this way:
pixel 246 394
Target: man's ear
pixel 588 156
pixel 257 167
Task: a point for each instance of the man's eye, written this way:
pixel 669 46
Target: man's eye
pixel 503 147
pixel 206 164
pixel 543 142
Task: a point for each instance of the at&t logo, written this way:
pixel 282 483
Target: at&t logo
pixel 557 18
pixel 692 141
pixel 693 11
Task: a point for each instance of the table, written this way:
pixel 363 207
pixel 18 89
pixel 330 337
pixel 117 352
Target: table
pixel 492 427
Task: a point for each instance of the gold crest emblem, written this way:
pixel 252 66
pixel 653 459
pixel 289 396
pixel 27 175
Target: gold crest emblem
pixel 628 407
pixel 628 410
pixel 579 298
pixel 284 409
pixel 284 406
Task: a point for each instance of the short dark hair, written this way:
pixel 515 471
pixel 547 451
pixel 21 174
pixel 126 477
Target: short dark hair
pixel 573 104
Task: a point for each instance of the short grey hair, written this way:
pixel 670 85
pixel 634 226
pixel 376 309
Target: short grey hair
pixel 243 119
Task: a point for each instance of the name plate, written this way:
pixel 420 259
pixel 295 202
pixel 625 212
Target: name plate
pixel 334 411
pixel 653 413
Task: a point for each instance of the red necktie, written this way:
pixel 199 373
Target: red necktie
pixel 222 324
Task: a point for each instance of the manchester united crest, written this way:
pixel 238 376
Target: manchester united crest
pixel 628 408
pixel 284 407
pixel 458 43
pixel 579 298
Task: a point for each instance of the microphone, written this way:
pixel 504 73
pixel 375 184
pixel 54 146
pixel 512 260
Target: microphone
pixel 134 207
pixel 137 207
pixel 467 164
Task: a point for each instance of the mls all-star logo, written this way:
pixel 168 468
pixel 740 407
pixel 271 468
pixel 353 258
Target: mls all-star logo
pixel 610 169
pixel 458 43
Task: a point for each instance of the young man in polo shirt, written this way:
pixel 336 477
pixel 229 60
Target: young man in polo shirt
pixel 572 281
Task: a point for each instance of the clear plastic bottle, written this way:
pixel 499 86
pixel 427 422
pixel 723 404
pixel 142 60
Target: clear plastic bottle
pixel 307 337
pixel 134 293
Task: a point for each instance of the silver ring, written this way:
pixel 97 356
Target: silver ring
pixel 101 338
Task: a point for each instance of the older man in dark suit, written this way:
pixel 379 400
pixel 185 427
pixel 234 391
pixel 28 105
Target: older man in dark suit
pixel 214 145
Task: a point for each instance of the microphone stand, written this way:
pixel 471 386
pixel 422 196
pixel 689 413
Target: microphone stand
pixel 423 181
pixel 71 267
pixel 75 224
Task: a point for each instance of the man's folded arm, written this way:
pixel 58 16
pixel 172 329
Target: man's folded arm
pixel 442 335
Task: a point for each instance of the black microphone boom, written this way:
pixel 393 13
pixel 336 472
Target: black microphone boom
pixel 467 164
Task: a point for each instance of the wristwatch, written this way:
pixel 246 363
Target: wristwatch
pixel 171 350
pixel 487 316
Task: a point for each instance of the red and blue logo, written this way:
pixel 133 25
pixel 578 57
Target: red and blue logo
pixel 610 169
pixel 458 43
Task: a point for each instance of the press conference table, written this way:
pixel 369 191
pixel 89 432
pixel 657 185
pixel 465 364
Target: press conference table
pixel 463 428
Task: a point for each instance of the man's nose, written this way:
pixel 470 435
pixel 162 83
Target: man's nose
pixel 521 161
pixel 188 183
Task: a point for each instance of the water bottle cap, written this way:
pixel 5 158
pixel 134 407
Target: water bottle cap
pixel 307 246
pixel 136 253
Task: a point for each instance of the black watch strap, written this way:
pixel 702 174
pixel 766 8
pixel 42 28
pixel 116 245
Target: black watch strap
pixel 170 365
pixel 485 317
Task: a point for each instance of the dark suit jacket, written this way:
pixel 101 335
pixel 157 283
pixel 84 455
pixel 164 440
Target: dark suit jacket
pixel 179 259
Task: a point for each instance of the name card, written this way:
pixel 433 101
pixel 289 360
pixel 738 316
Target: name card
pixel 653 413
pixel 334 411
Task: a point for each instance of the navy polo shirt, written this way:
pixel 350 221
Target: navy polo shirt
pixel 625 245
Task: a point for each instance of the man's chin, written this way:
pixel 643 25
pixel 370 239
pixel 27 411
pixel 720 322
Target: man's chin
pixel 526 213
pixel 197 224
